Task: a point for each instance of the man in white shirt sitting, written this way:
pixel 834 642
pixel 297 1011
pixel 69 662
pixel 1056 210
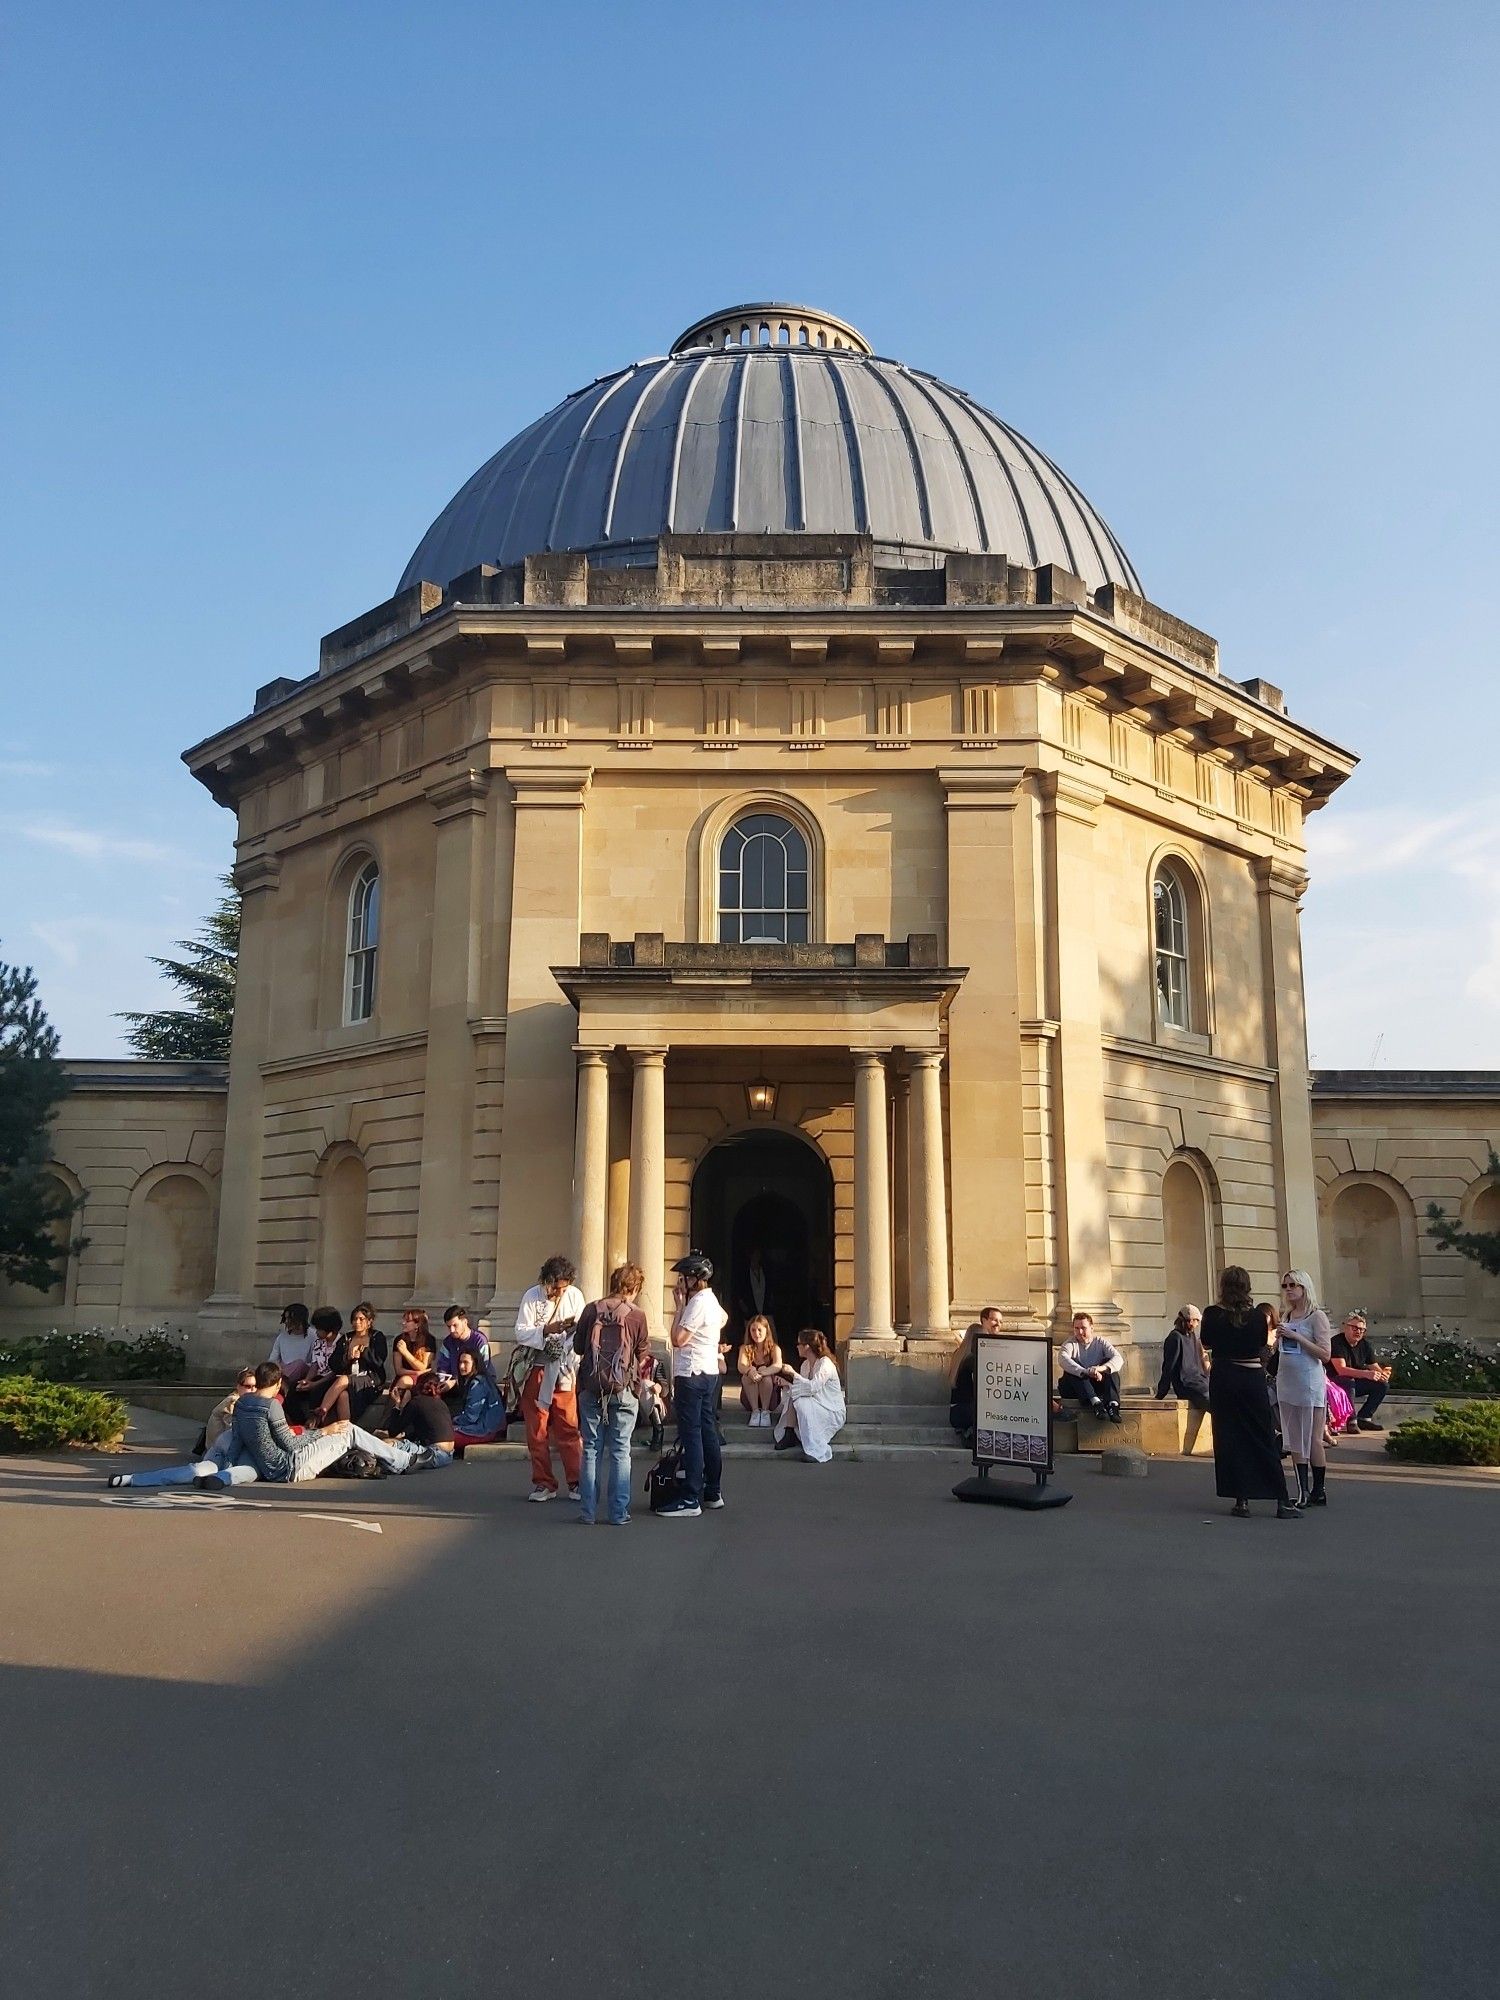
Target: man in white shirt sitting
pixel 1091 1368
pixel 697 1323
pixel 549 1397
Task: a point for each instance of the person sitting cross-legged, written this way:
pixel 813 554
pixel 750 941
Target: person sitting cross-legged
pixel 1353 1366
pixel 1091 1368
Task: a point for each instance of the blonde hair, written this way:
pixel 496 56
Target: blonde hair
pixel 1309 1290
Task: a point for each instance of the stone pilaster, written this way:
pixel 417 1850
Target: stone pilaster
pixel 1281 886
pixel 648 1179
pixel 930 1306
pixel 872 1200
pixel 536 1157
pixel 591 1172
pixel 443 1266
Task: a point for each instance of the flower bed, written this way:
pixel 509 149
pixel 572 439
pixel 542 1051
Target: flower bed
pixel 96 1354
pixel 1437 1361
pixel 41 1416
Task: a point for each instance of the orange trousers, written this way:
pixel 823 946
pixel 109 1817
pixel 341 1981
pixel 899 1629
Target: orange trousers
pixel 556 1425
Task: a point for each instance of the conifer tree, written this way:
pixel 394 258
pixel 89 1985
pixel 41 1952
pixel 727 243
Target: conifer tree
pixel 34 1205
pixel 1480 1246
pixel 200 1031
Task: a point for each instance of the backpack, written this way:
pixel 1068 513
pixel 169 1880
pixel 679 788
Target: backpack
pixel 356 1463
pixel 666 1479
pixel 619 1375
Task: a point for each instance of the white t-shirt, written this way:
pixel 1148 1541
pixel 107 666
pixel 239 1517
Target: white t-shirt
pixel 537 1312
pixel 288 1348
pixel 705 1319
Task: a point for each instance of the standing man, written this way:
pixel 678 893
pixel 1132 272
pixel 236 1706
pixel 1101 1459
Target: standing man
pixel 545 1324
pixel 697 1323
pixel 1091 1367
pixel 1357 1371
pixel 613 1344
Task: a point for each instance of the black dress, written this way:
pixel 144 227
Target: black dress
pixel 1247 1464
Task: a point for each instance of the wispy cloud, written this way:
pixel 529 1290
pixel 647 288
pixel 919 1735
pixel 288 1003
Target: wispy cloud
pixel 99 844
pixel 24 767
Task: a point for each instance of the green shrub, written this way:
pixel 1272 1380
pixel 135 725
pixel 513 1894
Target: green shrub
pixel 40 1416
pixel 1455 1434
pixel 1434 1361
pixel 94 1354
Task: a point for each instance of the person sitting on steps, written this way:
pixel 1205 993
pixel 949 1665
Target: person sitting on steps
pixel 759 1363
pixel 814 1410
pixel 1091 1368
pixel 963 1377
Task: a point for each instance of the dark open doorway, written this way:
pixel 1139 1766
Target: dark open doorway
pixel 771 1193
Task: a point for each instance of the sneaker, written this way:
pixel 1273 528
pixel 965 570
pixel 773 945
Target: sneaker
pixel 679 1510
pixel 623 1522
pixel 713 1506
pixel 1369 1424
pixel 1286 1512
pixel 574 1493
pixel 1115 1417
pixel 209 1482
pixel 119 1479
pixel 540 1493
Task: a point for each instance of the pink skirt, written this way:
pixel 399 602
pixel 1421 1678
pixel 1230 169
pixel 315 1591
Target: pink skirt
pixel 1340 1409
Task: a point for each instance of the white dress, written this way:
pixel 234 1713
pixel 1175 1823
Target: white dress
pixel 819 1398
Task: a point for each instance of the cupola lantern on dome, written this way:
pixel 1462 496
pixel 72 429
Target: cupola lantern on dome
pixel 770 419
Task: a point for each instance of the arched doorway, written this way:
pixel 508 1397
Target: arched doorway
pixel 768 1192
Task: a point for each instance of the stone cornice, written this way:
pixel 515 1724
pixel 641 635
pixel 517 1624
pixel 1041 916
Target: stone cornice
pixel 459 796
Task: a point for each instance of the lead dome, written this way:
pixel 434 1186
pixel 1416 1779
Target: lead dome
pixel 771 419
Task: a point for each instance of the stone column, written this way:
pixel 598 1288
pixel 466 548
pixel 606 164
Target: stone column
pixel 648 1178
pixel 991 931
pixel 901 1197
pixel 444 1263
pixel 617 1244
pixel 872 1200
pixel 1085 1270
pixel 535 1193
pixel 930 1308
pixel 591 1172
pixel 1281 886
pixel 230 1307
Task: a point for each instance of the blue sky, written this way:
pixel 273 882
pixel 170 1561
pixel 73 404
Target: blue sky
pixel 280 279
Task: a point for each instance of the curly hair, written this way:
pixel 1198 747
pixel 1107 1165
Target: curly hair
pixel 1236 1293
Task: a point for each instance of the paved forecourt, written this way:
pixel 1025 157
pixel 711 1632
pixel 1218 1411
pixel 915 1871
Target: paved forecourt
pixel 847 1737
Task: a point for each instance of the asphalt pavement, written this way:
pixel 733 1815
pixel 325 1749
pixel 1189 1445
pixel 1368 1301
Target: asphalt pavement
pixel 847 1737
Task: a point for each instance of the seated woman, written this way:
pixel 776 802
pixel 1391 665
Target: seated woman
pixel 476 1405
pixel 425 1419
pixel 356 1370
pixel 813 1411
pixel 289 1349
pixel 415 1355
pixel 305 1397
pixel 222 1415
pixel 760 1367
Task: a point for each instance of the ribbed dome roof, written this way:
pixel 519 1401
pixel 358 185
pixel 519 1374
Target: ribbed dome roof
pixel 750 426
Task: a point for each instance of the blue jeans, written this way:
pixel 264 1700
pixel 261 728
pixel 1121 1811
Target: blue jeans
pixel 608 1426
pixel 693 1398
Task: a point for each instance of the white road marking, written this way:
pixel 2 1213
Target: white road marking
pixel 175 1500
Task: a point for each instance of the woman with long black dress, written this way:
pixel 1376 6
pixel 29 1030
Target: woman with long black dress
pixel 1247 1464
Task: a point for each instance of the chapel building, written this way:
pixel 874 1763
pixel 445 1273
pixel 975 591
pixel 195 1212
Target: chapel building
pixel 769 815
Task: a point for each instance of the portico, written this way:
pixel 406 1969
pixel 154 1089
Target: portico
pixel 845 1028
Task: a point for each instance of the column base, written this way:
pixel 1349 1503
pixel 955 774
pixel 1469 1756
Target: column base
pixel 231 1330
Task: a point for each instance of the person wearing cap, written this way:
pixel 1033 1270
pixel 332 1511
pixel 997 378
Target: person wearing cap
pixel 549 1312
pixel 698 1321
pixel 1357 1372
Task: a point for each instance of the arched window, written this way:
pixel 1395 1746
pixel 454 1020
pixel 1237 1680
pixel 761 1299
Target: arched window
pixel 763 882
pixel 1174 991
pixel 364 943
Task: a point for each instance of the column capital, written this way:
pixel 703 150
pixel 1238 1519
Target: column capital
pixel 591 1058
pixel 458 795
pixel 925 1058
pixel 1071 798
pixel 647 1058
pixel 869 1058
pixel 1276 877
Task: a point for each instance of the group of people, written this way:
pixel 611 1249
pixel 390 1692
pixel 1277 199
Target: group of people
pixel 1278 1382
pixel 582 1377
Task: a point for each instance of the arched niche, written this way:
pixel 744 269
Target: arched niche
pixel 64 1233
pixel 1370 1238
pixel 1481 1212
pixel 343 1208
pixel 169 1238
pixel 1189 1231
